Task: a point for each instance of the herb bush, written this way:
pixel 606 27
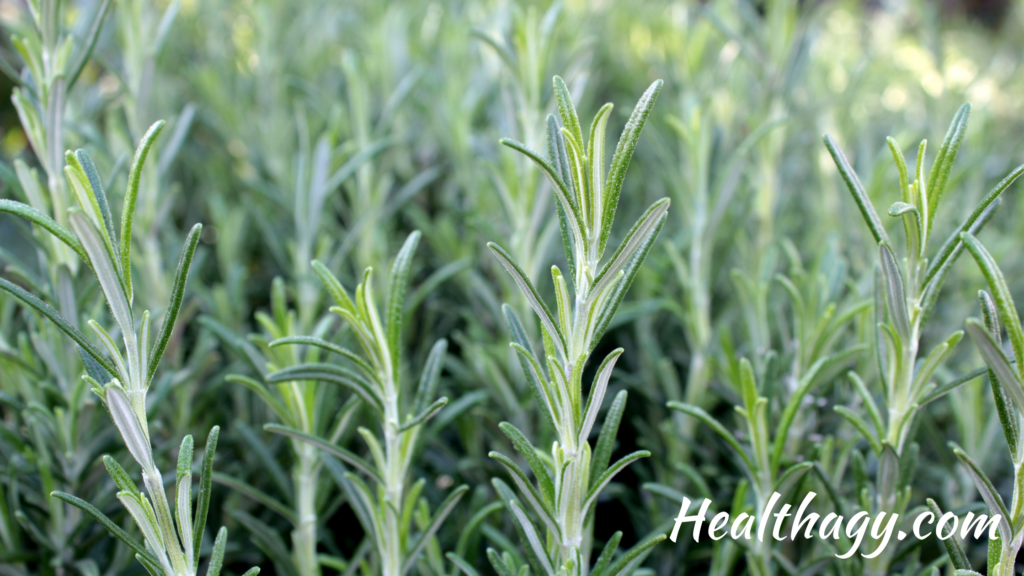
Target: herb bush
pixel 317 234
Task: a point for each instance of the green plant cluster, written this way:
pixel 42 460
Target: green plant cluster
pixel 320 235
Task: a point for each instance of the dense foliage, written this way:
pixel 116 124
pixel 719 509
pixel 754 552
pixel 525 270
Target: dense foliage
pixel 438 309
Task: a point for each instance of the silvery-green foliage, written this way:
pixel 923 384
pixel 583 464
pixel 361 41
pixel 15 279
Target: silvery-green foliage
pixel 569 482
pixel 304 406
pixel 535 46
pixel 909 292
pixel 121 379
pixel 375 380
pixel 504 78
pixel 906 295
pixel 274 97
pixel 763 459
pixel 1007 382
pixel 53 64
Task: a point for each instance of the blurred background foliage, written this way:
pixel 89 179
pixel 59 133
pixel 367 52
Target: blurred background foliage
pixel 330 130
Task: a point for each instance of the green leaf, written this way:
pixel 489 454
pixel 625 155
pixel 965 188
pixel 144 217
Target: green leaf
pixel 869 402
pixel 203 501
pixel 715 425
pixel 534 299
pixel 639 236
pixel 474 522
pixel 363 505
pixel 153 569
pixel 939 175
pixel 396 298
pixel 91 37
pixel 516 329
pixel 121 479
pixel 106 273
pixel 263 392
pixel 257 495
pixel 908 465
pixel 912 225
pixel 559 155
pixel 240 346
pixel 952 247
pixel 505 565
pixel 440 514
pixel 461 563
pixel 561 188
pixel 334 287
pixel 541 391
pixel 934 359
pixel 354 163
pixel 995 358
pixel 621 158
pixel 633 557
pixel 1002 296
pixel 114 529
pixel 183 496
pixel 130 196
pixel 217 557
pixel 106 223
pixel 861 426
pixel 267 539
pixel 327 446
pixel 1004 404
pixel 901 167
pixel 532 538
pixel 597 393
pixel 47 223
pixel 506 55
pixel 596 155
pixel 537 502
pixel 540 471
pixel 748 386
pixel 618 292
pixel 606 439
pixel 430 375
pixel 253 445
pixel 127 423
pixel 788 480
pixel 174 305
pixel 566 109
pixel 987 491
pixel 607 553
pixel 895 297
pixel 610 473
pixel 329 346
pixel 944 389
pixel 867 210
pixel 330 373
pixel 41 307
pixel 425 415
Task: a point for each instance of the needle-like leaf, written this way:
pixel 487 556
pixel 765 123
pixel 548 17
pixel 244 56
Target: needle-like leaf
pixel 621 158
pixel 867 210
pixel 130 196
pixel 174 306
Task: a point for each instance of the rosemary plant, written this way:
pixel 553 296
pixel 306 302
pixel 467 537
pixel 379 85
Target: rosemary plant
pixel 1007 383
pixel 52 68
pixel 907 297
pixel 375 378
pixel 763 458
pixel 303 405
pixel 39 361
pixel 173 541
pixel 570 482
